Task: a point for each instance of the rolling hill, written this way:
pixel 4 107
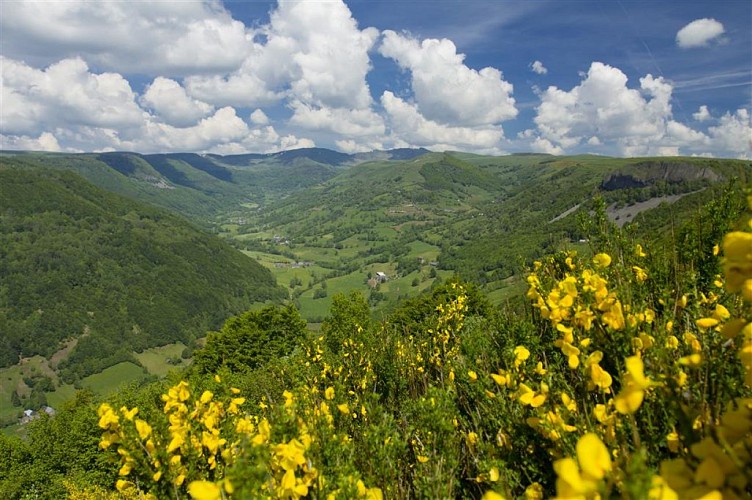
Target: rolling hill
pixel 104 275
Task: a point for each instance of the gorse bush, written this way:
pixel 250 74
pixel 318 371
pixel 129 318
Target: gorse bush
pixel 627 379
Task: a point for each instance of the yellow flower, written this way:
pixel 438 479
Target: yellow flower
pixel 472 375
pixel 329 393
pixel 206 397
pixel 343 408
pixel 640 274
pixel 602 260
pixel 672 439
pixel 501 378
pixel 639 251
pixel 659 490
pixel 568 402
pixel 593 456
pixel 204 490
pixel 107 417
pixel 737 262
pixel 290 455
pixel 143 429
pixel 691 360
pixel 572 354
pixel 491 495
pixel 129 414
pixel 705 323
pixel 633 388
pixel 528 397
pixel 233 406
pixel 422 459
pixel 493 474
pixel 521 353
pixel 289 399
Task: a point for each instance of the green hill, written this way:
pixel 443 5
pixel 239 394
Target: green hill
pixel 115 275
pixel 479 216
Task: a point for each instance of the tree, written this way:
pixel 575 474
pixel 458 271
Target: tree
pixel 348 312
pixel 250 340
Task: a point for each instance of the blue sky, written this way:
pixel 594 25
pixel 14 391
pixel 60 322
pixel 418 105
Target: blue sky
pixel 624 78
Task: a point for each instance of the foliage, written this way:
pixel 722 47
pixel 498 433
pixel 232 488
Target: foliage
pixel 626 370
pixel 251 340
pixel 619 384
pixel 120 276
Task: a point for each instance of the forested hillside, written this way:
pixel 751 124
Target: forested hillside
pixel 116 275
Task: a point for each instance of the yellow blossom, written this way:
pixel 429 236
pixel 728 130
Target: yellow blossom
pixel 602 260
pixel 204 490
pixel 633 388
pixel 737 262
pixel 329 393
pixel 705 323
pixel 640 274
pixel 491 495
pixel 143 429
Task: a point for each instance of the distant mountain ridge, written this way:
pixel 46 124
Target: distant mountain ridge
pixel 202 186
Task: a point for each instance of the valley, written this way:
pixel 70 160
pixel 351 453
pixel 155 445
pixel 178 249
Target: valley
pixel 389 225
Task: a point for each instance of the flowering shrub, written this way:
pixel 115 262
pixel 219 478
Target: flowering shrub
pixel 631 378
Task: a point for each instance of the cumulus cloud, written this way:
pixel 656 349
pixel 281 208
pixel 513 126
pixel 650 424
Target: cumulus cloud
pixel 699 33
pixel 312 52
pixel 258 117
pixel 64 94
pixel 734 133
pixel 537 67
pixel 603 106
pixel 157 38
pixel 446 90
pixel 168 99
pixel 409 124
pixel 68 107
pixel 45 142
pixel 702 114
pixel 348 122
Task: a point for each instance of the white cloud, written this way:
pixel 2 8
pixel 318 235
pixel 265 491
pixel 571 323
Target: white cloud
pixel 699 33
pixel 347 122
pixel 45 142
pixel 258 117
pixel 446 90
pixel 537 67
pixel 734 133
pixel 312 52
pixel 702 114
pixel 157 38
pixel 64 94
pixel 541 145
pixel 67 107
pixel 171 103
pixel 350 146
pixel 603 106
pixel 410 125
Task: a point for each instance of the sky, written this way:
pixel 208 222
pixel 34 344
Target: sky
pixel 608 77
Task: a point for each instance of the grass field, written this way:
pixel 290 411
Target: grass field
pixel 11 379
pixel 113 377
pixel 157 360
